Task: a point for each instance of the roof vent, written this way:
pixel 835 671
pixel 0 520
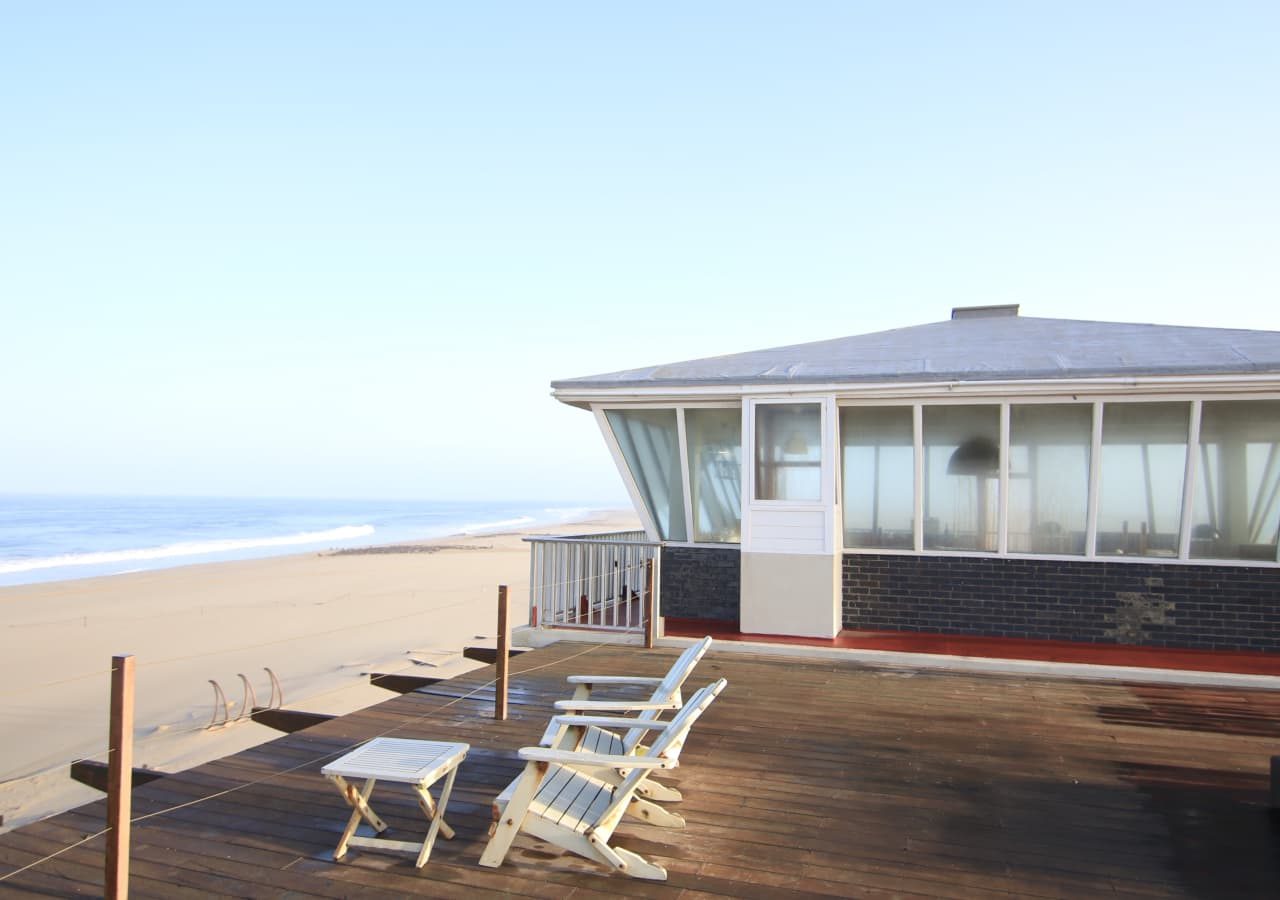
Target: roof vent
pixel 984 312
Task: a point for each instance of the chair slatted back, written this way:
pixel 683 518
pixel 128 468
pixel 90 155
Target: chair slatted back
pixel 669 688
pixel 666 746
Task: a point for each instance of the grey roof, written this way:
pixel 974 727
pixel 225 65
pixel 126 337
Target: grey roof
pixel 973 349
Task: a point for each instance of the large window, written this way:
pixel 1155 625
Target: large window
pixel 1237 498
pixel 789 451
pixel 1144 455
pixel 1049 477
pixel 714 440
pixel 878 459
pixel 961 477
pixel 650 443
pixel 1048 462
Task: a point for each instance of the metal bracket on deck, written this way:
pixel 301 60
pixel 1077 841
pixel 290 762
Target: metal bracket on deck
pixel 220 707
pixel 248 704
pixel 276 700
pixel 250 698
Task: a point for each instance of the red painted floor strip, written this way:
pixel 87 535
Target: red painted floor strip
pixel 1238 662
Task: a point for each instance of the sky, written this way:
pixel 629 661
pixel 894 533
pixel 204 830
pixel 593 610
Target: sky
pixel 340 250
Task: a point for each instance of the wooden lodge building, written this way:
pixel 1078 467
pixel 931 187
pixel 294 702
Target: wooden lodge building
pixel 992 474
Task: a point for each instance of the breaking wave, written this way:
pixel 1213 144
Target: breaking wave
pixel 491 526
pixel 190 548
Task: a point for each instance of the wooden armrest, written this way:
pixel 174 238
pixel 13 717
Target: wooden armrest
pixel 612 679
pixel 552 734
pixel 574 759
pixel 608 705
pixel 609 722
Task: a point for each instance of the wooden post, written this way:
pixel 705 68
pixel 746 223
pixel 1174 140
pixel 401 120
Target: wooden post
pixel 1275 787
pixel 119 778
pixel 650 622
pixel 504 654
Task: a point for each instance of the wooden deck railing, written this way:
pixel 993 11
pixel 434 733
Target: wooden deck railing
pixel 591 580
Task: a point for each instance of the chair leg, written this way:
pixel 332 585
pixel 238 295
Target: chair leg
pixel 627 862
pixel 654 814
pixel 653 789
pixel 508 826
pixel 650 788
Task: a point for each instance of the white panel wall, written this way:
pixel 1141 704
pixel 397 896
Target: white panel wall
pixel 790 593
pixel 789 531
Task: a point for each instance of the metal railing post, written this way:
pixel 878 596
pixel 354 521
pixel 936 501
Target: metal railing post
pixel 650 624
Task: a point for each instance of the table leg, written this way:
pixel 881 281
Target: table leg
pixel 428 807
pixel 359 800
pixel 437 816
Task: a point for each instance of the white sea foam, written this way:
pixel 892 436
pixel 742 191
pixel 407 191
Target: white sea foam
pixel 191 548
pixel 490 526
pixel 570 513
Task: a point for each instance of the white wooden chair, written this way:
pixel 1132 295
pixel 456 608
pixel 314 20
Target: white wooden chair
pixel 560 799
pixel 595 739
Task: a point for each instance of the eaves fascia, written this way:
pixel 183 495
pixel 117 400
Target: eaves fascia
pixel 1155 385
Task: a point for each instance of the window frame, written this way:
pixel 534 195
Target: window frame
pixel 650 525
pixel 1095 395
pixel 1097 402
pixel 827 441
pixel 819 464
pixel 688 476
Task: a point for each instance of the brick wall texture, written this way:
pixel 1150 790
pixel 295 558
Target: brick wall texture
pixel 1152 604
pixel 701 582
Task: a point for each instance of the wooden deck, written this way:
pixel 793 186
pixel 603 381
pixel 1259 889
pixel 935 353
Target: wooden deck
pixel 1241 662
pixel 805 778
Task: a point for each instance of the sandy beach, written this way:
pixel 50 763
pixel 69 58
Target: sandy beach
pixel 320 621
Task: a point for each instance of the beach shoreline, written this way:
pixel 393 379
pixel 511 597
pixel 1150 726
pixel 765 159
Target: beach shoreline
pixel 319 620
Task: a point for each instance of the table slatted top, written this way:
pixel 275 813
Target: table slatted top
pixel 399 759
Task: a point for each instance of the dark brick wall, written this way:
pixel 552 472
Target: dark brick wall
pixel 1153 604
pixel 701 583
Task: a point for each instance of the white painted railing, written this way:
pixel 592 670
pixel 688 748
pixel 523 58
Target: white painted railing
pixel 591 580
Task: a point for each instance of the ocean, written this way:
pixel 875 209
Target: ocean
pixel 54 538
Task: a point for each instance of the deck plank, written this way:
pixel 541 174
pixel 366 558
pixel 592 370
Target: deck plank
pixel 807 778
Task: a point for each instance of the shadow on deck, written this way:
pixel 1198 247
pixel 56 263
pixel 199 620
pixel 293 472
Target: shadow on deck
pixel 806 778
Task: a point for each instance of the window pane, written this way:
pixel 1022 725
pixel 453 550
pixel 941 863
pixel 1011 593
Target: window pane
pixel 651 446
pixel 1237 496
pixel 961 477
pixel 1144 450
pixel 1049 477
pixel 878 456
pixel 788 451
pixel 714 439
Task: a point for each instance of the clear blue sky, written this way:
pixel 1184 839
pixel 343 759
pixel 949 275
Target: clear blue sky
pixel 322 249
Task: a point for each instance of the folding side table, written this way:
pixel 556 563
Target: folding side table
pixel 418 764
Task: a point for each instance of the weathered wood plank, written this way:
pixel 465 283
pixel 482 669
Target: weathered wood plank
pixel 94 774
pixel 808 778
pixel 400 683
pixel 287 720
pixel 489 655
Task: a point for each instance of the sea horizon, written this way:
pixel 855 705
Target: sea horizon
pixel 59 537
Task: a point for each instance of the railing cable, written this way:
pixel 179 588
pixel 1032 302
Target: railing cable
pixel 318 759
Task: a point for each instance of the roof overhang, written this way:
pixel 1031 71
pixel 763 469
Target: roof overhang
pixel 1154 385
pixel 979 351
